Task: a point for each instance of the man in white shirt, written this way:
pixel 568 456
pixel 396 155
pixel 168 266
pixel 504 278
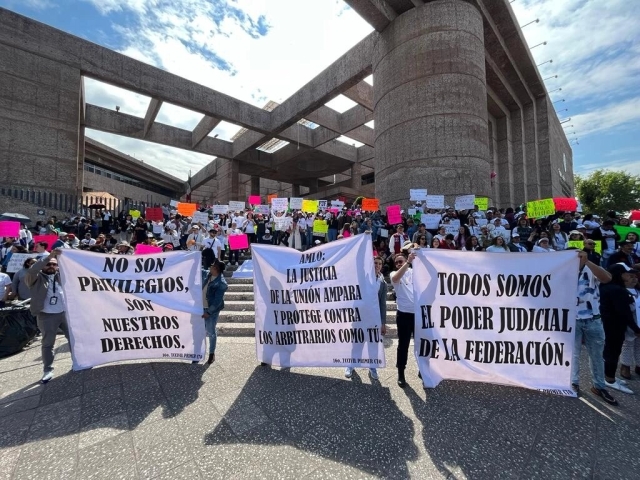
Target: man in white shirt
pixel 87 240
pixel 402 281
pixel 214 243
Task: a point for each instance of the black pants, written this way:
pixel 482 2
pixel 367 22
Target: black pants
pixel 405 322
pixel 233 256
pixel 613 340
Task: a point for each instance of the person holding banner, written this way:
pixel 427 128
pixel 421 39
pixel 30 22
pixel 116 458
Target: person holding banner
pixel 515 245
pixel 589 329
pixel 47 304
pixel 402 281
pixel 213 290
pixel 382 300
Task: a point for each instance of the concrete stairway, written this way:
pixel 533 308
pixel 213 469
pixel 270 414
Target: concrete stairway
pixel 238 317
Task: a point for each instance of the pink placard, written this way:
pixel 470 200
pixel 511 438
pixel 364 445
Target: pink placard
pixel 9 229
pixel 254 200
pixel 333 210
pixel 142 249
pixel 393 214
pixel 238 242
pixel 49 239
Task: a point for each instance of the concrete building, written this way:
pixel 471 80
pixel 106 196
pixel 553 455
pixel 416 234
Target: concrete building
pixel 456 98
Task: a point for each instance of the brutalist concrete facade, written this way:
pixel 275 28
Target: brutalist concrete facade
pixel 458 102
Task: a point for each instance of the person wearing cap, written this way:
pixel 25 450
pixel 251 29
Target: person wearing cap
pixel 625 255
pixel 542 246
pixel 123 248
pixel 195 239
pixel 617 306
pixel 62 241
pixel 234 255
pixel 402 281
pixel 515 245
pixel 47 305
pixel 589 246
pixel 576 236
pixel 589 329
pixel 87 241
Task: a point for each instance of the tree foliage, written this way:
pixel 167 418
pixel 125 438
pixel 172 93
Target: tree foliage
pixel 605 190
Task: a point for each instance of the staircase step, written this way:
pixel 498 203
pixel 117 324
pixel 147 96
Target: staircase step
pixel 239 281
pixel 248 330
pixel 240 287
pixel 249 306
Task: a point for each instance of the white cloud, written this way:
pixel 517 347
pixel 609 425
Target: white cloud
pixel 607 117
pixel 184 38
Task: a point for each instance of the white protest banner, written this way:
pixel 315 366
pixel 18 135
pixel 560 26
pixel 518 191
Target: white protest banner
pixel 220 209
pixel 314 309
pixel 465 202
pixel 450 229
pixel 337 203
pixel 435 201
pixel 418 194
pixel 431 220
pixel 279 204
pixel 122 307
pixel 322 204
pixel 295 203
pixel 200 217
pixel 17 261
pixel 235 206
pixel 510 323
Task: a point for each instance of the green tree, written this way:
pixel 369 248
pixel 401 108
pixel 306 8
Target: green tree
pixel 605 190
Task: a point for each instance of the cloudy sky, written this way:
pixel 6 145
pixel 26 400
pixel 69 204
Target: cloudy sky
pixel 260 50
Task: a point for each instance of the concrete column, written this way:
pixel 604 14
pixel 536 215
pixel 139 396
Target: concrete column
pixel 519 158
pixel 505 163
pixel 530 140
pixel 228 181
pixel 255 185
pixel 545 165
pixel 295 190
pixel 313 185
pixel 430 103
pixel 356 176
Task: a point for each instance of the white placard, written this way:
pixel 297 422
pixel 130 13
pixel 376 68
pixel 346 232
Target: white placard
pixel 314 309
pixel 450 229
pixel 384 233
pixel 418 194
pixel 510 323
pixel 481 221
pixel 236 206
pixel 435 201
pixel 322 204
pixel 454 221
pixel 122 307
pixel 295 203
pixel 465 202
pixel 174 203
pixel 431 220
pixel 337 203
pixel 220 209
pixel 279 204
pixel 17 260
pixel 200 217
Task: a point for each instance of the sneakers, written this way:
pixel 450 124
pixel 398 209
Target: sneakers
pixel 617 385
pixel 348 372
pixel 373 373
pixel 46 377
pixel 603 394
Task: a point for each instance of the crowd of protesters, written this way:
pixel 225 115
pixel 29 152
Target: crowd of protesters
pixel 607 322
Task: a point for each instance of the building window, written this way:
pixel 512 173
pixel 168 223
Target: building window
pixel 368 178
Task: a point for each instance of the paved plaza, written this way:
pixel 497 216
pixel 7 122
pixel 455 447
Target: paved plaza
pixel 235 419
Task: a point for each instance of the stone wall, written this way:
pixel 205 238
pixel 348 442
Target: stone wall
pixel 39 111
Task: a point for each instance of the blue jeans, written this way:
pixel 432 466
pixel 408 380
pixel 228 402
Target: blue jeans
pixel 210 327
pixel 310 237
pixel 333 234
pixel 592 333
